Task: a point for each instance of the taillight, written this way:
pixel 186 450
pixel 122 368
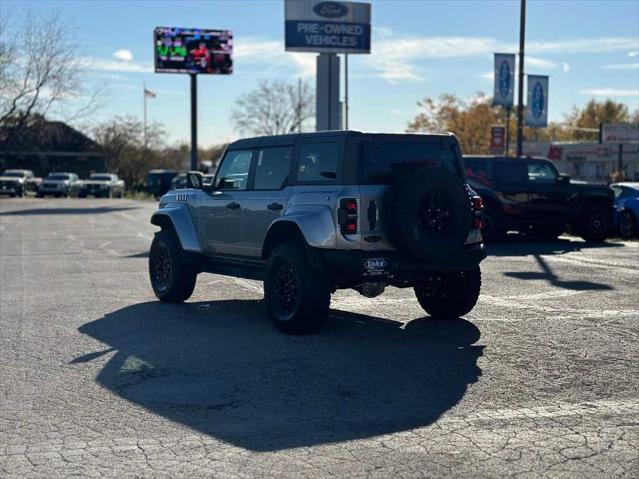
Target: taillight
pixel 347 216
pixel 478 207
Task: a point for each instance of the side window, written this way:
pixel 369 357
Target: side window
pixel 272 168
pixel 509 172
pixel 477 171
pixel 318 162
pixel 541 173
pixel 234 170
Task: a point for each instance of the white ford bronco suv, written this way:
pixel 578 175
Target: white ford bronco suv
pixel 313 212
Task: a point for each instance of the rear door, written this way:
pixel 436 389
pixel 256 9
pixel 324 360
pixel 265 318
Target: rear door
pixel 268 195
pixel 220 211
pixel 511 185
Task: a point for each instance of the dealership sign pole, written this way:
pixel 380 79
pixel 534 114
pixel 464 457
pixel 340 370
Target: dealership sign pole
pixel 193 51
pixel 327 28
pixel 504 91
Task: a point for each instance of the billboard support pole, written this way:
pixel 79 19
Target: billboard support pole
pixel 193 121
pixel 520 93
pixel 346 91
pixel 508 110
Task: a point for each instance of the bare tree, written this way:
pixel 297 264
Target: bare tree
pixel 40 71
pixel 273 108
pixel 123 139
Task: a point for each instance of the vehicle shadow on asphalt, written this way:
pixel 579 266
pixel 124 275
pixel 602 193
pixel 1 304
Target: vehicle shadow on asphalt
pixel 221 368
pixel 67 211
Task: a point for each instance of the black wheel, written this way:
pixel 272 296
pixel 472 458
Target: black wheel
pixel 172 279
pixel 627 224
pixel 548 232
pixel 449 295
pixel 594 224
pixel 297 295
pixel 39 195
pixel 493 229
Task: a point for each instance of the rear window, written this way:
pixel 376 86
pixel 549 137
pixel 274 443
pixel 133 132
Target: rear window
pixel 477 171
pixel 101 177
pixel 380 159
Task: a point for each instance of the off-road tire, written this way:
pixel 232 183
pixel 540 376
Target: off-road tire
pixel 297 295
pixel 627 224
pixel 594 224
pixel 450 295
pixel 493 229
pixel 172 279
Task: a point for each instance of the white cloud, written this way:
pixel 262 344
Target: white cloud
pixel 584 45
pixel 611 92
pixel 490 76
pixel 539 63
pixel 633 54
pixel 306 63
pixel 382 31
pixel 116 66
pixel 621 66
pixel 565 66
pixel 124 55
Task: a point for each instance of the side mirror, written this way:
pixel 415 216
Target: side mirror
pixel 194 180
pixel 564 179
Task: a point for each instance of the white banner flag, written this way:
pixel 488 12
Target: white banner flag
pixel 537 105
pixel 504 93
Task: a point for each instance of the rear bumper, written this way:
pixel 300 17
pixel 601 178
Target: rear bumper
pixel 351 268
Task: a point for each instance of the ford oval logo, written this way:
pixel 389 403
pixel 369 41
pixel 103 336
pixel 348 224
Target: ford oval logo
pixel 537 100
pixel 330 9
pixel 504 79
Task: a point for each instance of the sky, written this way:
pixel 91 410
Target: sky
pixel 420 48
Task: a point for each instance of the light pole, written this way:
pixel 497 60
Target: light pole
pixel 520 93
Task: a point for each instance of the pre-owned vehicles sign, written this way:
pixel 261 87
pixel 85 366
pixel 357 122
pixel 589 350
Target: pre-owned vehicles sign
pixel 327 26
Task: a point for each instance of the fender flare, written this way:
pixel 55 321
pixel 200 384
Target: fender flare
pixel 315 224
pixel 178 217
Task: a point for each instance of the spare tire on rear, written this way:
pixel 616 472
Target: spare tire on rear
pixel 428 212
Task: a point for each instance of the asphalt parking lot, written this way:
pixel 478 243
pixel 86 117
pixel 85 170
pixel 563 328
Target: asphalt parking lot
pixel 100 379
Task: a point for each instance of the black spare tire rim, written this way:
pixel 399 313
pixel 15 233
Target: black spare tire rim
pixel 436 212
pixel 435 286
pixel 161 267
pixel 286 289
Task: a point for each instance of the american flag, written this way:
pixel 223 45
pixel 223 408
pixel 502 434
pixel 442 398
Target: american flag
pixel 149 94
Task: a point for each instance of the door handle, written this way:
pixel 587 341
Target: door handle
pixel 275 207
pixel 233 205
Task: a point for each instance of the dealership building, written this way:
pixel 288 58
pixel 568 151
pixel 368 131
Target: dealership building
pixel 49 146
pixel 589 161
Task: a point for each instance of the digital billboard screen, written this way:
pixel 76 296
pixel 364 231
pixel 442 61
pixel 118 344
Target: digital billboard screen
pixel 193 50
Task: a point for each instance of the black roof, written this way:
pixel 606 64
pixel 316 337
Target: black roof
pixel 46 136
pixel 290 139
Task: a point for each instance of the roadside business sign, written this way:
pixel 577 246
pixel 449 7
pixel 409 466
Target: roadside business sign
pixel 193 50
pixel 619 132
pixel 327 26
pixel 504 91
pixel 497 139
pixel 537 106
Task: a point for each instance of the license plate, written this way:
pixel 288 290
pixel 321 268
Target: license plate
pixel 375 266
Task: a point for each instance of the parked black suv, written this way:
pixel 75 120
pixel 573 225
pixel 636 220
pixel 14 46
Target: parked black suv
pixel 531 196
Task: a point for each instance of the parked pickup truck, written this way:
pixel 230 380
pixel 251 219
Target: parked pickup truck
pixel 312 213
pixel 531 196
pixel 18 182
pixel 102 185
